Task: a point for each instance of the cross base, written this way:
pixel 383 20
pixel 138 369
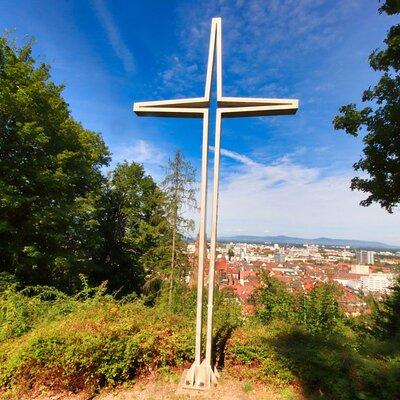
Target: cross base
pixel 199 377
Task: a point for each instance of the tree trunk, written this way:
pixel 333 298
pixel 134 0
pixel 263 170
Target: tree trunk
pixel 171 276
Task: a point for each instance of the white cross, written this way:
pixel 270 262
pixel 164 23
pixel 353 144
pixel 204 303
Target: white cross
pixel 202 374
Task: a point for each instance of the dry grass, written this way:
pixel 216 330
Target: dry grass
pixel 159 388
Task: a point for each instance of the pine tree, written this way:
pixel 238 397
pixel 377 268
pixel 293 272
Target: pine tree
pixel 179 189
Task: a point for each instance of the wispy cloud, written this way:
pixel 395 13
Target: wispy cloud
pixel 140 151
pixel 278 173
pixel 284 197
pixel 180 78
pixel 114 36
pixel 238 157
pixel 261 41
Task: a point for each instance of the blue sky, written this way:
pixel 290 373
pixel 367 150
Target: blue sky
pixel 280 175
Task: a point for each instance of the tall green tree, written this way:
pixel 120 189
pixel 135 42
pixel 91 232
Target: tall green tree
pixel 380 121
pixel 134 230
pixel 320 310
pixel 179 189
pixel 273 300
pixel 50 179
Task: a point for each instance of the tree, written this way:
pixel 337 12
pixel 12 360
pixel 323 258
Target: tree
pixel 274 301
pixel 316 311
pixel 381 121
pixel 50 178
pixel 385 316
pixel 319 310
pixel 133 229
pixel 178 186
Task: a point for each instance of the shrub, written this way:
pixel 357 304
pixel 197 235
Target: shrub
pixel 317 311
pixel 91 339
pixel 102 345
pixel 334 366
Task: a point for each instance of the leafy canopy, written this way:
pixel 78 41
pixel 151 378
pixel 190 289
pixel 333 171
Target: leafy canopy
pixel 133 229
pixel 50 177
pixel 380 120
pixel 60 217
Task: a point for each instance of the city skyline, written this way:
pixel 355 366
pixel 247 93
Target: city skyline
pixel 288 176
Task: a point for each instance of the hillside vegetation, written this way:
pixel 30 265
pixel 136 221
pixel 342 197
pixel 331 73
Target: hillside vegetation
pixel 92 340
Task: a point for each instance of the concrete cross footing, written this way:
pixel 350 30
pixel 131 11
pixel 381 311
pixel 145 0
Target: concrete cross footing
pixel 200 377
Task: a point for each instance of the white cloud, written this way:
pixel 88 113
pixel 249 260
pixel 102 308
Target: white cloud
pixel 238 157
pixel 180 77
pixel 286 198
pixel 114 36
pixel 140 151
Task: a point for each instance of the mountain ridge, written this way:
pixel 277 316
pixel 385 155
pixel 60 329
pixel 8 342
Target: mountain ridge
pixel 321 241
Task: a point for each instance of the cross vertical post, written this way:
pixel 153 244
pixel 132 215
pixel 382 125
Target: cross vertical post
pixel 202 374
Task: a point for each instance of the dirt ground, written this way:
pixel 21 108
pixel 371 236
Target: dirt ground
pixel 161 389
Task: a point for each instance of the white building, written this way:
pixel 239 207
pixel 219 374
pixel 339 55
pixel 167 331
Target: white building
pixel 365 257
pixel 377 282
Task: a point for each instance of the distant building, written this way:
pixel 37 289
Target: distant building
pixel 279 257
pixel 348 279
pixel 377 282
pixel 365 257
pixel 359 269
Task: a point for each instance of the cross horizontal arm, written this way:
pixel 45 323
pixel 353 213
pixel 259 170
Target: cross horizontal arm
pixel 185 108
pixel 254 101
pixel 255 111
pixel 247 107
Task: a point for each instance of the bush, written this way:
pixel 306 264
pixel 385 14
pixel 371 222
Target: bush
pixel 100 343
pixel 91 339
pixel 331 367
pixel 317 311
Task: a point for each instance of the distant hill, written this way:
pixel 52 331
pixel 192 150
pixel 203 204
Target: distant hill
pixel 322 241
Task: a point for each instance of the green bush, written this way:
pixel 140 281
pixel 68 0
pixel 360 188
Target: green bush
pixel 91 339
pixel 101 344
pixel 317 311
pixel 331 367
pixel 21 311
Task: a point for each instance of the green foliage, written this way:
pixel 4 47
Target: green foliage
pixel 133 228
pixel 317 311
pixel 179 191
pixel 178 186
pixel 333 367
pixel 100 341
pixel 7 280
pixel 275 301
pixel 247 387
pixel 59 216
pixel 287 393
pixel 381 122
pixel 22 311
pixel 384 321
pixel 91 339
pixel 50 178
pixel 314 346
